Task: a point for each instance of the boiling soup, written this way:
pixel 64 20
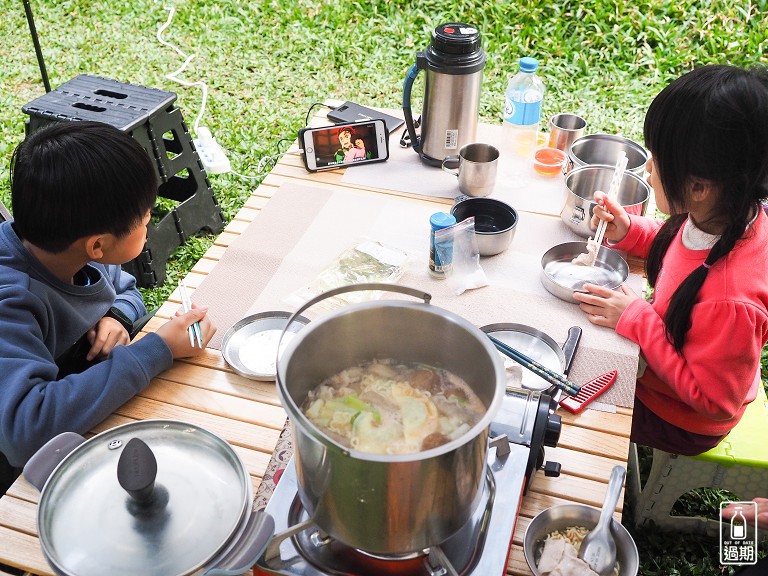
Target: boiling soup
pixel 387 407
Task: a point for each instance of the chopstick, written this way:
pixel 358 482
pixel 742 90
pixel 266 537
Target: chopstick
pixel 194 330
pixel 613 190
pixel 540 370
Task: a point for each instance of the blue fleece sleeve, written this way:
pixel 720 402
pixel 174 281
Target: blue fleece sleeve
pixel 128 298
pixel 35 405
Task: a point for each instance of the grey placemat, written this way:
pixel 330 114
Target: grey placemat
pixel 516 182
pixel 302 230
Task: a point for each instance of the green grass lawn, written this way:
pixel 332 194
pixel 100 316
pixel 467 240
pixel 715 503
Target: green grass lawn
pixel 267 62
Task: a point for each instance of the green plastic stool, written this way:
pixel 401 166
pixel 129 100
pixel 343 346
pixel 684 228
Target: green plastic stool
pixel 738 464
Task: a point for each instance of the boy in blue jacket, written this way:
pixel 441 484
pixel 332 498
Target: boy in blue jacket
pixel 81 199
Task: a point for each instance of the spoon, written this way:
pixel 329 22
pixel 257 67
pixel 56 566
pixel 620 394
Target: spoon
pixel 598 549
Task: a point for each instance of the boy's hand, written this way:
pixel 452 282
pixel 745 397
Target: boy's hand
pixel 175 334
pixel 103 337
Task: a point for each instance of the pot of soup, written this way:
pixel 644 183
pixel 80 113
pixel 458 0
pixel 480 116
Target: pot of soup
pixel 390 402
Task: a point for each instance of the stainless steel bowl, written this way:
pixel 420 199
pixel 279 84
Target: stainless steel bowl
pixel 562 277
pixel 565 515
pixel 250 346
pixel 495 222
pixel 580 185
pixel 604 149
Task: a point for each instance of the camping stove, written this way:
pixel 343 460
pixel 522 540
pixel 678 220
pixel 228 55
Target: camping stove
pixel 523 426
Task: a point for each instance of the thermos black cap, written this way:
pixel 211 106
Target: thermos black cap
pixel 456 38
pixel 456 48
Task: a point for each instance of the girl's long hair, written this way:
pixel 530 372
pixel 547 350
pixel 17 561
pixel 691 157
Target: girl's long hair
pixel 710 126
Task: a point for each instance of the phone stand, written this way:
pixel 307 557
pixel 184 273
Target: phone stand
pixel 150 117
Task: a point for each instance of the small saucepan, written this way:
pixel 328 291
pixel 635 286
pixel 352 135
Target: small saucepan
pixel 156 497
pixel 580 184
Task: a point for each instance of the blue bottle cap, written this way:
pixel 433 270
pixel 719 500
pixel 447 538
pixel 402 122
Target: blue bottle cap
pixel 440 220
pixel 528 64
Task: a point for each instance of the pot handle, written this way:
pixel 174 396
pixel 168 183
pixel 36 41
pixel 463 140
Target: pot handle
pixel 351 288
pixel 256 535
pixel 413 71
pixel 359 288
pixel 44 461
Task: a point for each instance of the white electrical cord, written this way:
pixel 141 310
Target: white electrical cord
pixel 212 155
pixel 187 59
pixel 262 168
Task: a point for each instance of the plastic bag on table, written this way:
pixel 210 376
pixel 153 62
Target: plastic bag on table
pixel 457 244
pixel 366 261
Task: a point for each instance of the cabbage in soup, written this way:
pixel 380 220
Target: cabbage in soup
pixel 387 407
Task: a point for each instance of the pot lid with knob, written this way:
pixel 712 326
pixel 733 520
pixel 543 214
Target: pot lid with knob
pixel 151 497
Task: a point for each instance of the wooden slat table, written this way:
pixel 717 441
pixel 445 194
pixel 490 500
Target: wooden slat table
pixel 205 391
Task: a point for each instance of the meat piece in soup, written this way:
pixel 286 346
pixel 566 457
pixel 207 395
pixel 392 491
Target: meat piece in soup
pixel 386 407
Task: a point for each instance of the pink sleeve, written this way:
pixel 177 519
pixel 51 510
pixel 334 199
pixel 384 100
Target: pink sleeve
pixel 641 233
pixel 717 368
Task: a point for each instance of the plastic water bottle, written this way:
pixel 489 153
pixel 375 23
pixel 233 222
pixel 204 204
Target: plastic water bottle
pixel 522 108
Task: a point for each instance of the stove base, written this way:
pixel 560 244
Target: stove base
pixel 480 548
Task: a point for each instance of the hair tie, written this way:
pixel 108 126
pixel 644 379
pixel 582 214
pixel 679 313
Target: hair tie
pixel 707 266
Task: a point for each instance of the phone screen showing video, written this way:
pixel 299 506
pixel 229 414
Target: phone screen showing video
pixel 336 146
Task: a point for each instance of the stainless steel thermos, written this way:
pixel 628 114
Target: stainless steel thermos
pixel 453 63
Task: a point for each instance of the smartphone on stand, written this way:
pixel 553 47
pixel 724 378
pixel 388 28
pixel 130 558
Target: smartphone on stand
pixel 343 145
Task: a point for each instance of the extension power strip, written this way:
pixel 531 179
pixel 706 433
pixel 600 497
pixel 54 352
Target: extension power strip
pixel 211 154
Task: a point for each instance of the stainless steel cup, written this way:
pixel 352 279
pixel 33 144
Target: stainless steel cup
pixel 476 168
pixel 564 129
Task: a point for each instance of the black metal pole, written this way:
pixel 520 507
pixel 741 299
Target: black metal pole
pixel 36 41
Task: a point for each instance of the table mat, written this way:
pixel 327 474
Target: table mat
pixel 516 181
pixel 277 463
pixel 302 230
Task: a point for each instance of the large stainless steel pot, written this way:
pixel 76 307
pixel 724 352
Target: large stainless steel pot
pixel 580 185
pixel 156 498
pixel 389 504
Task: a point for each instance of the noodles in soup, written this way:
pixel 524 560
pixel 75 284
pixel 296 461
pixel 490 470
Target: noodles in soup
pixel 387 407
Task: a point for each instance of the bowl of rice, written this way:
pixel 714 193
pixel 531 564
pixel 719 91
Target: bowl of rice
pixel 561 527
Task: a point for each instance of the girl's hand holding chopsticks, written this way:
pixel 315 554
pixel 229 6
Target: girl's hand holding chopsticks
pixel 613 214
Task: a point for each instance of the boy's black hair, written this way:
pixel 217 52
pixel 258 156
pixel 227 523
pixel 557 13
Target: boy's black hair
pixel 710 124
pixel 75 179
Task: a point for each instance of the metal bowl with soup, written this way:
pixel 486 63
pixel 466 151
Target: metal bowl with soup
pixel 567 519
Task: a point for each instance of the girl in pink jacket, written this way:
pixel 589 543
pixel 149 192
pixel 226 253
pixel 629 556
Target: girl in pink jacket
pixel 702 333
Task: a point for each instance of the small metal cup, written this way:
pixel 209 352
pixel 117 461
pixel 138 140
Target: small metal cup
pixel 476 168
pixel 564 129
